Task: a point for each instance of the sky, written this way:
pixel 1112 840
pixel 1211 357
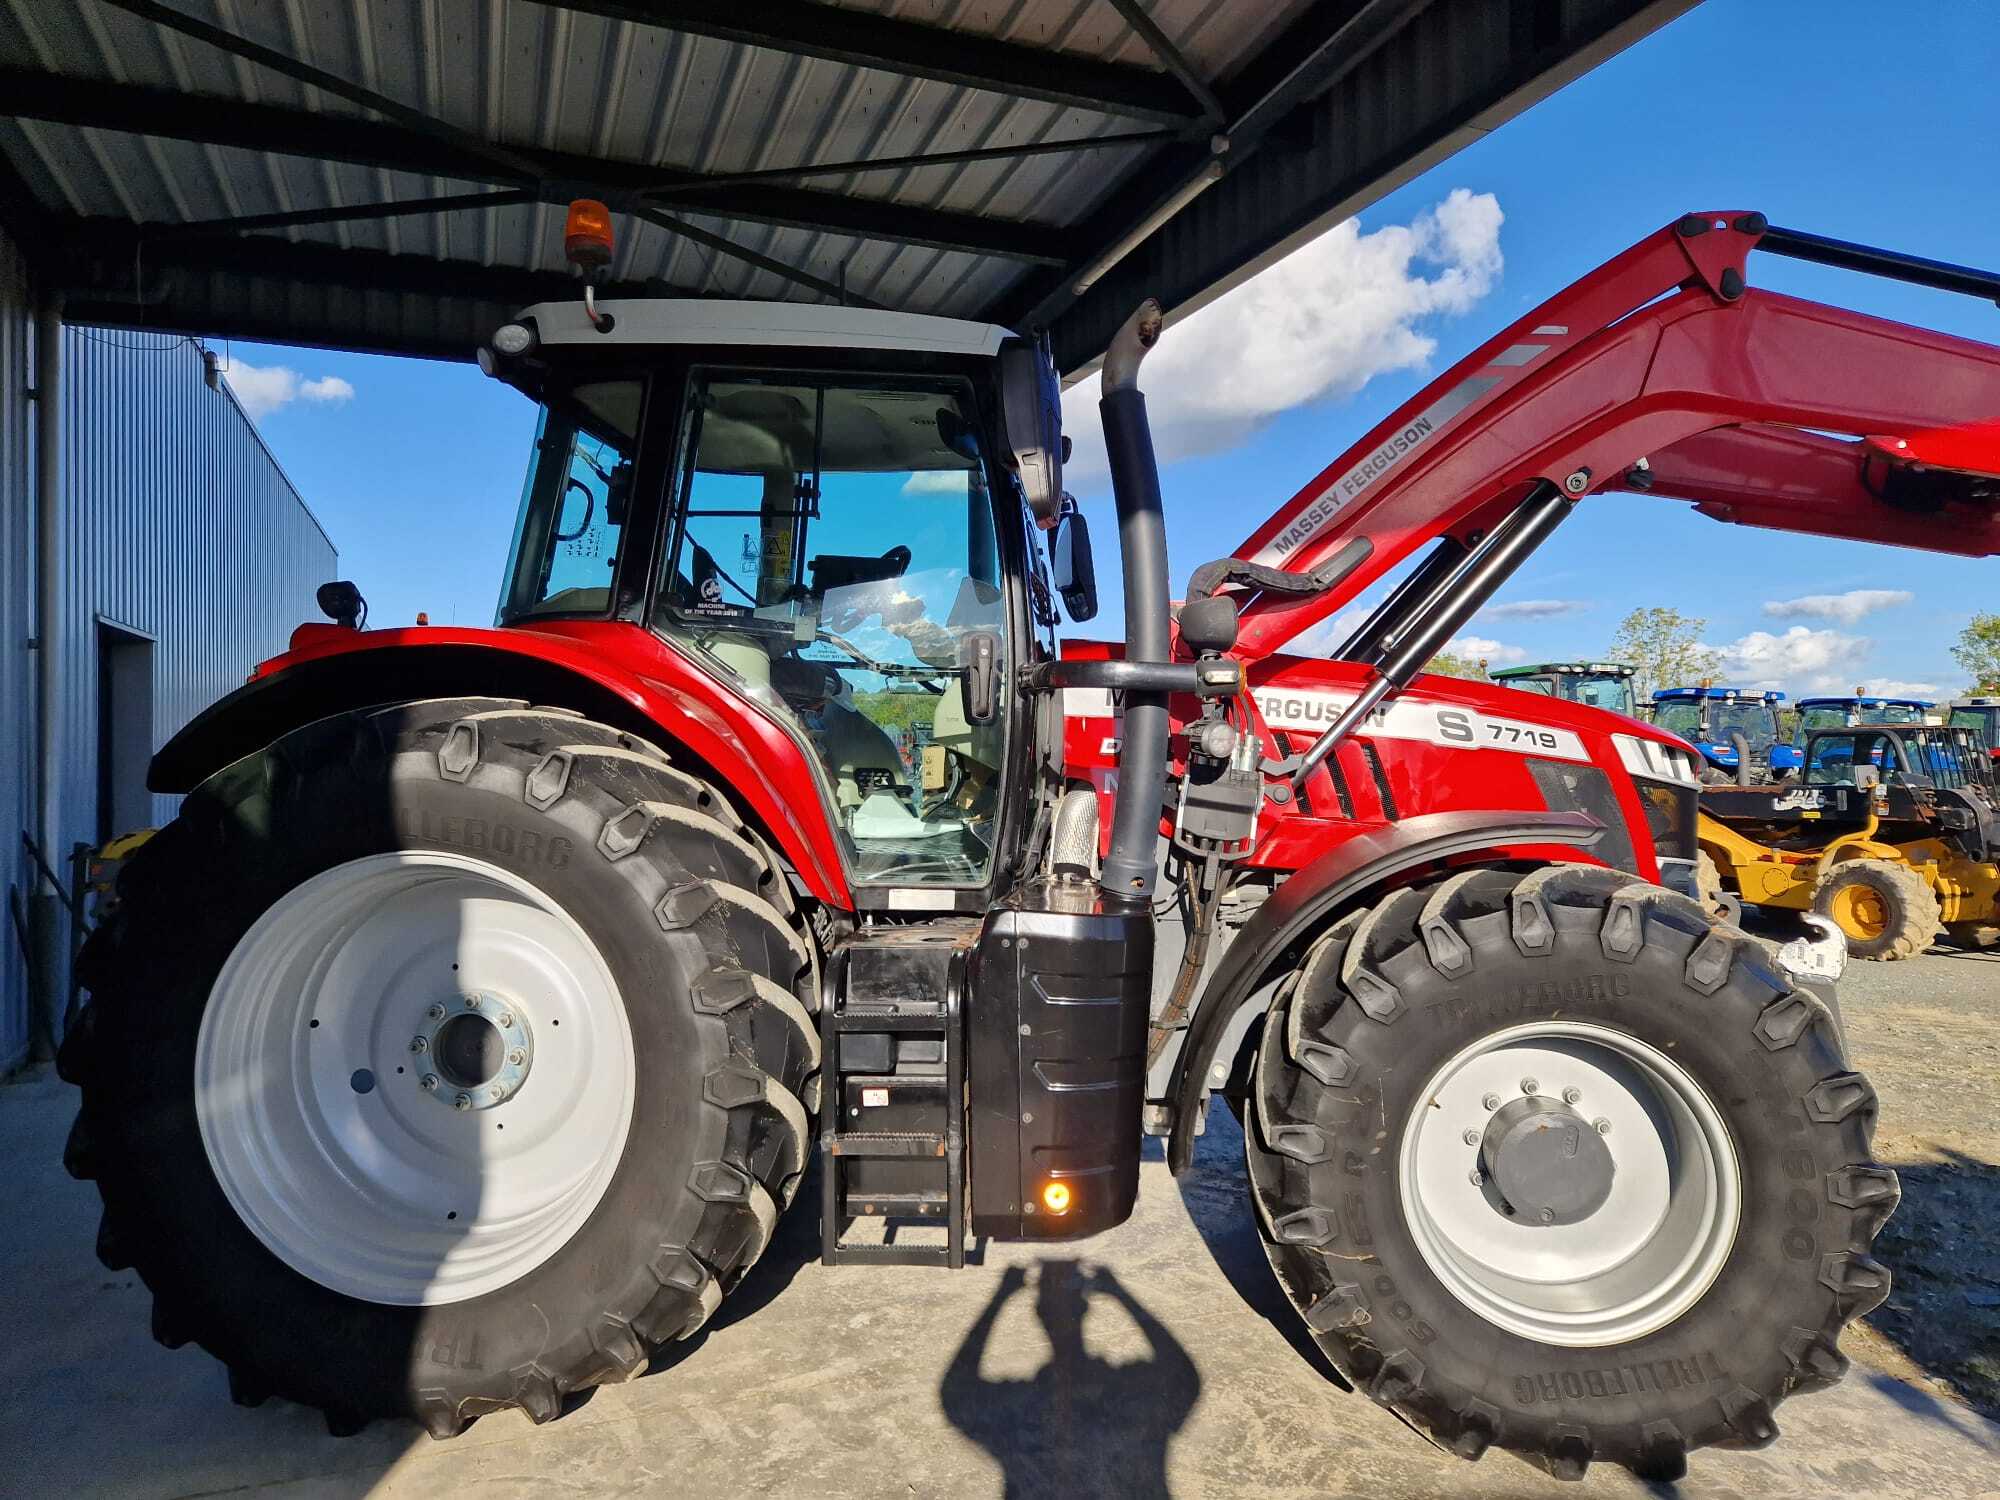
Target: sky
pixel 1826 116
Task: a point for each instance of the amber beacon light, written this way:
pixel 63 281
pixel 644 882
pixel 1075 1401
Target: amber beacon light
pixel 1056 1197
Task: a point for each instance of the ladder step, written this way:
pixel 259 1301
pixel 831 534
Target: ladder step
pixel 884 1143
pixel 849 1019
pixel 894 1255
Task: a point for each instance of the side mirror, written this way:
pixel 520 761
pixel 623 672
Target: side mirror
pixel 1031 410
pixel 1070 562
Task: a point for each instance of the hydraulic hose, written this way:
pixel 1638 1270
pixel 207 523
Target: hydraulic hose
pixel 1130 866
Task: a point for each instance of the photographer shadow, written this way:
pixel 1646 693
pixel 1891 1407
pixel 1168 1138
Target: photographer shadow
pixel 1082 1424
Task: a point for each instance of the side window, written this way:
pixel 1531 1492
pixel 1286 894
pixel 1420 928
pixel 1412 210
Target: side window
pixel 573 505
pixel 1681 718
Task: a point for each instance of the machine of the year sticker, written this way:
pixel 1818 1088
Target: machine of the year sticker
pixel 496 988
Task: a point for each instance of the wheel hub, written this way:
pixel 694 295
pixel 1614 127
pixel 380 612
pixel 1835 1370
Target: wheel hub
pixel 1570 1183
pixel 479 1049
pixel 361 1078
pixel 1546 1164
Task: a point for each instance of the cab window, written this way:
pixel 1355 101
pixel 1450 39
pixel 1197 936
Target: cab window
pixel 572 516
pixel 833 549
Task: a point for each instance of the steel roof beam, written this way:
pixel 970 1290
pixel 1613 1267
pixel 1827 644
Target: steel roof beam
pixel 1312 55
pixel 864 39
pixel 1177 62
pixel 554 176
pixel 212 287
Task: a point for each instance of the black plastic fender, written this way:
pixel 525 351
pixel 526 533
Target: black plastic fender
pixel 1315 894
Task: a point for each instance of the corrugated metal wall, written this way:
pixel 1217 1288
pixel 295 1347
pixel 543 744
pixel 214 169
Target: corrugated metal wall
pixel 17 605
pixel 177 526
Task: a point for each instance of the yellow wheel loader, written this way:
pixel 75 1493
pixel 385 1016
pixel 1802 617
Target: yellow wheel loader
pixel 1890 831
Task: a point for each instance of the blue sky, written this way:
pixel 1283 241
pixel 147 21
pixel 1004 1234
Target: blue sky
pixel 1832 117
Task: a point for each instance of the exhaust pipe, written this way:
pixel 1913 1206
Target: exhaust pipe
pixel 1131 864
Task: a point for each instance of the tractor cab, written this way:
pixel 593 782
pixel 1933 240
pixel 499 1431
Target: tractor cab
pixel 1714 719
pixel 1980 715
pixel 821 508
pixel 1848 712
pixel 1599 684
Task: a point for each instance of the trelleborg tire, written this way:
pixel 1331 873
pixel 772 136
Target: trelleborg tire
pixel 1884 909
pixel 348 966
pixel 1641 1327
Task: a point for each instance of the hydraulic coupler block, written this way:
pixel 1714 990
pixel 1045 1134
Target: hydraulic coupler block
pixel 1060 982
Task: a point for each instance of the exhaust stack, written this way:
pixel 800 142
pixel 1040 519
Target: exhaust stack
pixel 1130 866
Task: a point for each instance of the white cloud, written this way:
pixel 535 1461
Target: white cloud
pixel 1820 659
pixel 1849 608
pixel 263 389
pixel 1320 323
pixel 936 482
pixel 1534 609
pixel 1480 648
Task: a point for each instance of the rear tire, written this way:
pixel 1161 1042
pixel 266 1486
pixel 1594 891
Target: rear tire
pixel 708 977
pixel 1355 1081
pixel 1884 909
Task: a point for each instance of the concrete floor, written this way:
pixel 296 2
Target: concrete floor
pixel 1184 1379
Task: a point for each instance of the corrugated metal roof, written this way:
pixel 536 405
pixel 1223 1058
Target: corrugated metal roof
pixel 125 122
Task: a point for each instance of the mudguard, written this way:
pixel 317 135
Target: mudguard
pixel 617 674
pixel 1304 903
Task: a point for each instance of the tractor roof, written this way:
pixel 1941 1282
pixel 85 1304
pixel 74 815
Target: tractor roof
pixel 1729 694
pixel 701 320
pixel 1865 701
pixel 1606 668
pixel 1978 702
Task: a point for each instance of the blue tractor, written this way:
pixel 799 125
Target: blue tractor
pixel 1735 729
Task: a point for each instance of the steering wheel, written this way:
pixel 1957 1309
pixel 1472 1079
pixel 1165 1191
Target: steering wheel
pixel 589 507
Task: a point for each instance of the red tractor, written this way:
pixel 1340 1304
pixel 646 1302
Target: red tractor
pixel 460 1042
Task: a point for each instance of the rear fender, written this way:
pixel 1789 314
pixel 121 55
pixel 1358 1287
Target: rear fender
pixel 660 698
pixel 1342 878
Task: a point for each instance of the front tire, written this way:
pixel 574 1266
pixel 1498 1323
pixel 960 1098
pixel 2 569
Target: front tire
pixel 1884 909
pixel 353 962
pixel 1575 1324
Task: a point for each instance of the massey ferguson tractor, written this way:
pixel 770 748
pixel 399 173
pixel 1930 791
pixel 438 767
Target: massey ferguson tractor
pixel 461 1041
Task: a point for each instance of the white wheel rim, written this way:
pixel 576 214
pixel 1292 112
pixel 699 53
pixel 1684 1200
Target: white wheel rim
pixel 324 1137
pixel 1644 1256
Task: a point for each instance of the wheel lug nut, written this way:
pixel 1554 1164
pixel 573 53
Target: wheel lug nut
pixel 506 1018
pixel 463 1101
pixel 1471 1137
pixel 420 1044
pixel 1548 1216
pixel 1476 1177
pixel 1530 1086
pixel 1491 1101
pixel 436 1012
pixel 516 1057
pixel 472 1002
pixel 1570 1096
pixel 430 1080
pixel 1601 1125
pixel 494 1096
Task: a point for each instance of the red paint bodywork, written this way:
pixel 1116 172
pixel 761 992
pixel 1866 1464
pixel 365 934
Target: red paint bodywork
pixel 1657 371
pixel 762 764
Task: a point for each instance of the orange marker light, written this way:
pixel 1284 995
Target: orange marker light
pixel 587 234
pixel 1055 1197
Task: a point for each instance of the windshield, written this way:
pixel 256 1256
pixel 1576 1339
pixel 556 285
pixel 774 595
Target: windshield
pixel 1984 722
pixel 1754 721
pixel 1600 690
pixel 572 515
pixel 833 549
pixel 1679 716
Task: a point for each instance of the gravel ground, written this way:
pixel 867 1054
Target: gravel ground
pixel 1926 1031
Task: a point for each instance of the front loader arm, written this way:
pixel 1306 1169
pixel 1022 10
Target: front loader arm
pixel 1661 371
